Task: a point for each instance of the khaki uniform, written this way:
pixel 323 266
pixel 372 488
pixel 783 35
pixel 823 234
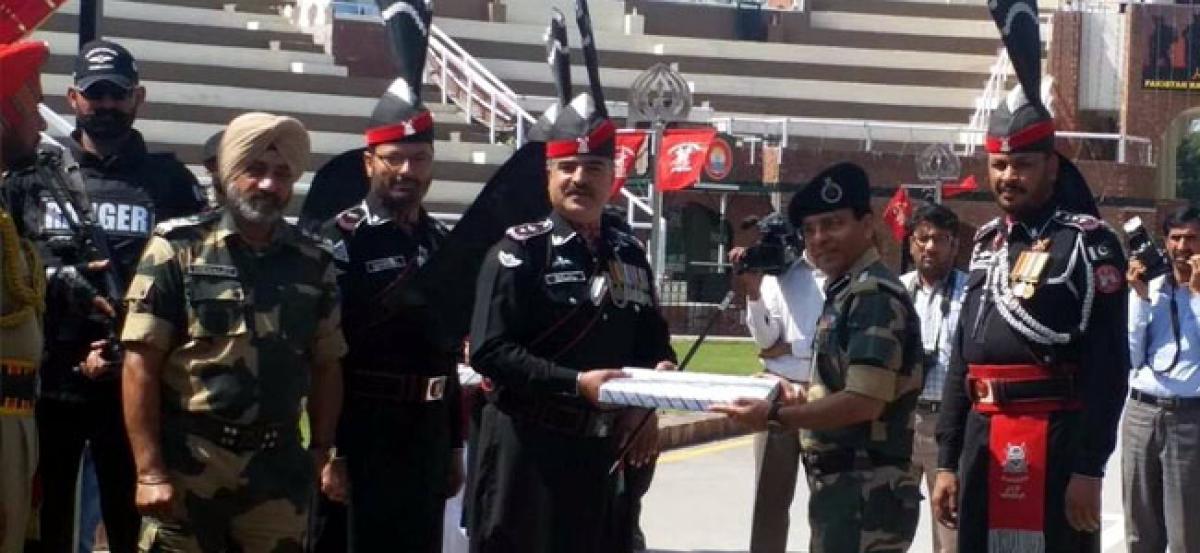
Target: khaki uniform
pixel 22 289
pixel 242 329
pixel 864 496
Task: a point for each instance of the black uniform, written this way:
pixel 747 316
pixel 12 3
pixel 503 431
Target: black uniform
pixel 1088 369
pixel 130 191
pixel 548 306
pixel 402 414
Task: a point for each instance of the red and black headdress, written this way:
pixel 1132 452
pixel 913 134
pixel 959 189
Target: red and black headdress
pixel 400 116
pixel 582 126
pixel 1022 123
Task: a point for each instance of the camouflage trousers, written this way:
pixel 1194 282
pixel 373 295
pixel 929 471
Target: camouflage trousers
pixel 253 502
pixel 863 511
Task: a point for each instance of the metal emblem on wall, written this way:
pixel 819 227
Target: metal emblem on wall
pixel 660 94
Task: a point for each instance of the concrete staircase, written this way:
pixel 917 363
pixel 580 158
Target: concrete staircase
pixel 203 64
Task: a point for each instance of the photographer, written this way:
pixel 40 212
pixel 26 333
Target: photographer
pixel 937 291
pixel 781 312
pixel 1160 435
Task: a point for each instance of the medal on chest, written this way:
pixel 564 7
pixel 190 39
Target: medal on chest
pixel 1029 268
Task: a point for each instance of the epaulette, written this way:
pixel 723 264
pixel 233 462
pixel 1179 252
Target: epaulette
pixel 628 239
pixel 170 226
pixel 349 219
pixel 525 231
pixel 1081 221
pixel 866 282
pixel 987 229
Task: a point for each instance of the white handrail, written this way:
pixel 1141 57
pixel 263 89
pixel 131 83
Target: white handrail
pixel 436 34
pixel 477 87
pixel 869 131
pixel 482 96
pixel 991 96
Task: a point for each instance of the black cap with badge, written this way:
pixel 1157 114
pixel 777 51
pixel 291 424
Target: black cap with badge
pixel 841 186
pixel 103 60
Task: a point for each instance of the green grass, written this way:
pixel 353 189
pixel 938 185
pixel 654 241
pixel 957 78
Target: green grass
pixel 736 358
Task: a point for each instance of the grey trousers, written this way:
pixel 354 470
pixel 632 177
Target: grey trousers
pixel 1160 466
pixel 924 464
pixel 778 454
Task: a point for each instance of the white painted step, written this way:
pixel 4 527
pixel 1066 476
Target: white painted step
pixel 205 54
pixel 667 46
pixel 163 13
pixel 760 87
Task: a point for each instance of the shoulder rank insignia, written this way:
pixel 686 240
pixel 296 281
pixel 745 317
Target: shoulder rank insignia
pixel 526 231
pixel 1081 221
pixel 170 225
pixel 508 260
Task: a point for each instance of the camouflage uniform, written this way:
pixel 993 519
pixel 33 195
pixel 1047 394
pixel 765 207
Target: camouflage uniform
pixel 863 495
pixel 242 329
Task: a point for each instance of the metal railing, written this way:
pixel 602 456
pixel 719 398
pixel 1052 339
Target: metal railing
pixel 986 102
pixel 482 96
pixel 870 133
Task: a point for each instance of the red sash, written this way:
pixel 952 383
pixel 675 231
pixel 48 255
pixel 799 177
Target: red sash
pixel 1017 444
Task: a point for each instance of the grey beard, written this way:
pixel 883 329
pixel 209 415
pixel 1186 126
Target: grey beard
pixel 266 212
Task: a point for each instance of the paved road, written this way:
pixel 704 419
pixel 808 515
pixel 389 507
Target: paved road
pixel 702 496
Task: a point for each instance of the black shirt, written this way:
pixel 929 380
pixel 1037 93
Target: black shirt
pixel 548 307
pixel 131 191
pixel 1084 253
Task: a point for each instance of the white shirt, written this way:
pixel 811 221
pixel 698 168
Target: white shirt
pixel 1152 341
pixel 788 308
pixel 937 328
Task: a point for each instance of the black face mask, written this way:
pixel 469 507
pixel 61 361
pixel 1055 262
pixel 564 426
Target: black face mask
pixel 105 124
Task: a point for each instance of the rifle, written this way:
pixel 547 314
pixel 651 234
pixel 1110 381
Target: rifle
pixel 61 176
pixel 712 319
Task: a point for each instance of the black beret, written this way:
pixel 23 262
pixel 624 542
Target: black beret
pixel 844 185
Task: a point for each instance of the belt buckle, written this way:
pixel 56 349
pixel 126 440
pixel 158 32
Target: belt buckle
pixel 435 388
pixel 982 391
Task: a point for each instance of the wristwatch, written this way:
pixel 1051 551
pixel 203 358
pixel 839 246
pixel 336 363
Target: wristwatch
pixel 773 420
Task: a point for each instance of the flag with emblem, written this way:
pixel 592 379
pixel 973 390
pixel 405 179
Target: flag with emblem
pixel 629 148
pixel 897 212
pixel 681 157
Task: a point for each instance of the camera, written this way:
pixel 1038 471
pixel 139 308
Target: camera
pixel 1143 248
pixel 778 246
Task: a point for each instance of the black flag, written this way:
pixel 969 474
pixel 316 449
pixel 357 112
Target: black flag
pixel 1017 21
pixel 408 23
pixel 590 59
pixel 559 56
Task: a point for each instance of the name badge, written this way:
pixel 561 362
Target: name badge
pixel 386 264
pixel 565 277
pixel 224 271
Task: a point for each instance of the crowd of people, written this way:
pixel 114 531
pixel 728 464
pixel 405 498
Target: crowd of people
pixel 253 386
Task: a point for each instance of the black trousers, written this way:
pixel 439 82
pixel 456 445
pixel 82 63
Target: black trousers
pixel 1065 431
pixel 64 427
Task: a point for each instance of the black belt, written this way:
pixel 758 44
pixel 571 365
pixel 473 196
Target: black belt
pixel 1177 403
pixel 929 405
pixel 560 417
pixel 819 463
pixel 1001 393
pixel 394 387
pixel 241 438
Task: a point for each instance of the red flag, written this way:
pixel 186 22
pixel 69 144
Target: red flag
pixel 681 157
pixel 629 147
pixel 896 214
pixel 967 185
